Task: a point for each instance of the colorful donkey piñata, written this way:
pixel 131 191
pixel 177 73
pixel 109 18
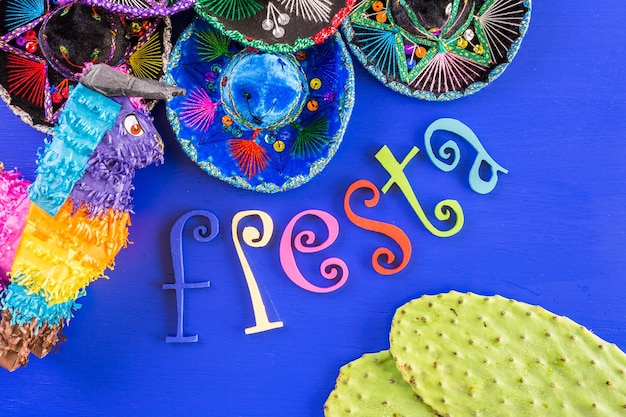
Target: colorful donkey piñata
pixel 60 233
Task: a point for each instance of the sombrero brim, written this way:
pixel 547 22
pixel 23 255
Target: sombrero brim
pixel 255 23
pixel 140 8
pixel 438 66
pixel 30 81
pixel 264 161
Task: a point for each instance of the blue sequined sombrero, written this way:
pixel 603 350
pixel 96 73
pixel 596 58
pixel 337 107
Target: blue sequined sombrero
pixel 258 120
pixel 437 49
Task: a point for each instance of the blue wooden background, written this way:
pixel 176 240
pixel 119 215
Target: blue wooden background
pixel 552 233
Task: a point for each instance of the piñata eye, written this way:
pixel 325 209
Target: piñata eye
pixel 132 125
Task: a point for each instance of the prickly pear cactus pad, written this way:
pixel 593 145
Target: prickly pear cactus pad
pixel 469 355
pixel 371 386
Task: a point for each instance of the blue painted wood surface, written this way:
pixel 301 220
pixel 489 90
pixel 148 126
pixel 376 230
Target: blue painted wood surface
pixel 553 233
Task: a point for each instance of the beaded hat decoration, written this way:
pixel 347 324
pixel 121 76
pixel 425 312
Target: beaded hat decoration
pixel 437 49
pixel 44 47
pixel 275 25
pixel 261 121
pixel 140 8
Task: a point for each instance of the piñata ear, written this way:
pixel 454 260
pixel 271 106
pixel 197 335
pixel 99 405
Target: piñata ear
pixel 112 83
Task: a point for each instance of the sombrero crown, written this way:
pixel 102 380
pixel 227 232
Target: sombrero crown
pixel 44 47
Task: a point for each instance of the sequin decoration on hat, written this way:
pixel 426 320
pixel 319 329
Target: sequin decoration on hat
pixel 437 49
pixel 275 25
pixel 140 8
pixel 261 121
pixel 44 47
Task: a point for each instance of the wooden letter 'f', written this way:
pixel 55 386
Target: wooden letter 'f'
pixel 201 234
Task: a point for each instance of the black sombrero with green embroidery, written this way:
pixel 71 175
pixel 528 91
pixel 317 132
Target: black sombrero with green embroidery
pixel 275 25
pixel 437 49
pixel 45 47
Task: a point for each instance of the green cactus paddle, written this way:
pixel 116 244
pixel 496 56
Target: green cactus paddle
pixel 371 386
pixel 469 355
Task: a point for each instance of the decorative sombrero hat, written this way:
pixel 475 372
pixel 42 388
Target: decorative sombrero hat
pixel 437 49
pixel 259 120
pixel 275 25
pixel 44 47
